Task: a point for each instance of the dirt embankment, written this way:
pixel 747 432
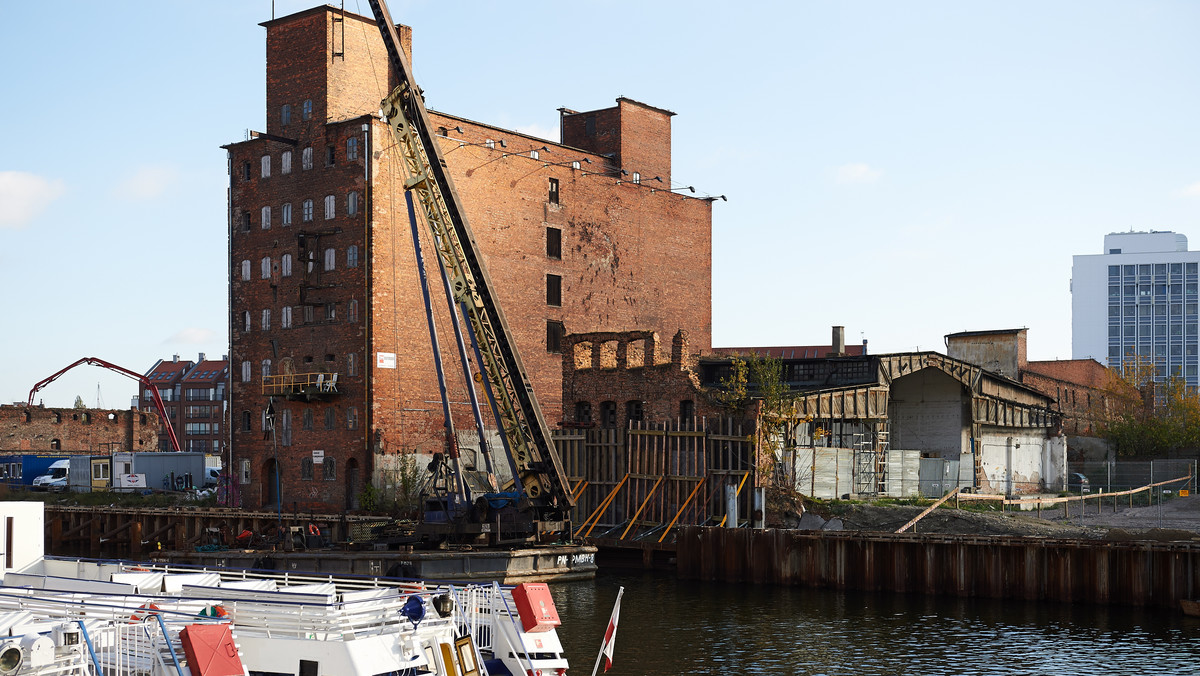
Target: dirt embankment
pixel 1175 520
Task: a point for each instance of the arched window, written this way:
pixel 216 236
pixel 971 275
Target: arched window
pixel 308 419
pixel 352 148
pixel 330 258
pixel 352 418
pixel 286 217
pixel 266 320
pixel 352 256
pixel 608 414
pixel 330 418
pixel 330 207
pixel 266 368
pixel 285 115
pixel 352 203
pixel 583 412
pixel 285 265
pixel 245 421
pixel 330 467
pixel 306 210
pixel 246 369
pixel 245 271
pixel 285 162
pixel 266 166
pixel 306 469
pixel 633 410
pixel 266 218
pixel 285 317
pixel 306 158
pixel 351 364
pixel 246 321
pixel 306 110
pixel 352 311
pixel 265 267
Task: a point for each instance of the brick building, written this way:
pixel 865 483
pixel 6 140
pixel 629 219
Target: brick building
pixel 72 430
pixel 328 327
pixel 193 394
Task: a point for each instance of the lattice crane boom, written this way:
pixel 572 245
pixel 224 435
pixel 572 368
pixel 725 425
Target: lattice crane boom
pixel 540 473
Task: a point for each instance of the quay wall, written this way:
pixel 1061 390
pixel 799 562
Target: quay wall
pixel 1037 569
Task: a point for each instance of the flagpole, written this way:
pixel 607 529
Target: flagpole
pixel 611 623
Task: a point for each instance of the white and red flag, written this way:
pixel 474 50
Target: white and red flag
pixel 610 636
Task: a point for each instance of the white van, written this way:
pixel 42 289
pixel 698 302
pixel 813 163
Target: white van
pixel 55 478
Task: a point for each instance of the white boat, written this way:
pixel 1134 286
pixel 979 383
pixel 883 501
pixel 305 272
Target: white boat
pixel 140 616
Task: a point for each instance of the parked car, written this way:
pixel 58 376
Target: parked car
pixel 58 485
pixel 1078 483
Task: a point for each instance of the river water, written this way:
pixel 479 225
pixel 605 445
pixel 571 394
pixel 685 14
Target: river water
pixel 669 626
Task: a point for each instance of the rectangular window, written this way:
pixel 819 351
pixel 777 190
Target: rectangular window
pixel 266 218
pixel 308 314
pixel 266 322
pixel 553 290
pixel 330 312
pixel 306 158
pixel 554 243
pixel 330 207
pixel 306 210
pixel 285 116
pixel 553 196
pixel 266 268
pixel 245 271
pixel 285 162
pixel 352 148
pixel 330 155
pixel 352 203
pixel 245 221
pixel 285 317
pixel 554 336
pixel 245 473
pixel 285 265
pixel 352 256
pixel 330 258
pixel 266 166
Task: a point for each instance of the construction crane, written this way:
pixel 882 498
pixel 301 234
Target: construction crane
pixel 96 361
pixel 538 473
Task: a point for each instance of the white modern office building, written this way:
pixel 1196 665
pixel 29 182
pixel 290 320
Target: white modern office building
pixel 1138 299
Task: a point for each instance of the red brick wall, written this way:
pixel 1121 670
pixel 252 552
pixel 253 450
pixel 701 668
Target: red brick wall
pixel 77 430
pixel 1082 388
pixel 632 255
pixel 632 365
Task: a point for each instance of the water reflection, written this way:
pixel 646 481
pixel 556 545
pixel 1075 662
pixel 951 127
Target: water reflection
pixel 679 627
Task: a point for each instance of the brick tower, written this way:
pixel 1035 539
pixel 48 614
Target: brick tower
pixel 328 333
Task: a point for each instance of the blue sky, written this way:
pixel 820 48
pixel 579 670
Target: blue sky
pixel 904 169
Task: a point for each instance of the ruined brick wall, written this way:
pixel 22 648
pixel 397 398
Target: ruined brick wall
pixel 97 431
pixel 1083 390
pixel 628 255
pixel 616 367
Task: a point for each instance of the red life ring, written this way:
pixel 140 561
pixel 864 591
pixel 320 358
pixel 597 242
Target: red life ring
pixel 138 616
pixel 313 530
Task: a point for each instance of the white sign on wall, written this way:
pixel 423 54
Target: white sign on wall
pixel 385 360
pixel 318 457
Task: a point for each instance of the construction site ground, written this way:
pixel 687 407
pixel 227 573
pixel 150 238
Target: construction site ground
pixel 1176 519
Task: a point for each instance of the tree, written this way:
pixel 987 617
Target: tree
pixel 1149 416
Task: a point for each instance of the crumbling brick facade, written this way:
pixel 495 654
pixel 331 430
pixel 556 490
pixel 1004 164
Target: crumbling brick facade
pixel 611 377
pixel 76 430
pixel 571 242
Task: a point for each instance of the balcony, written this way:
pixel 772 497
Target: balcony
pixel 301 386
